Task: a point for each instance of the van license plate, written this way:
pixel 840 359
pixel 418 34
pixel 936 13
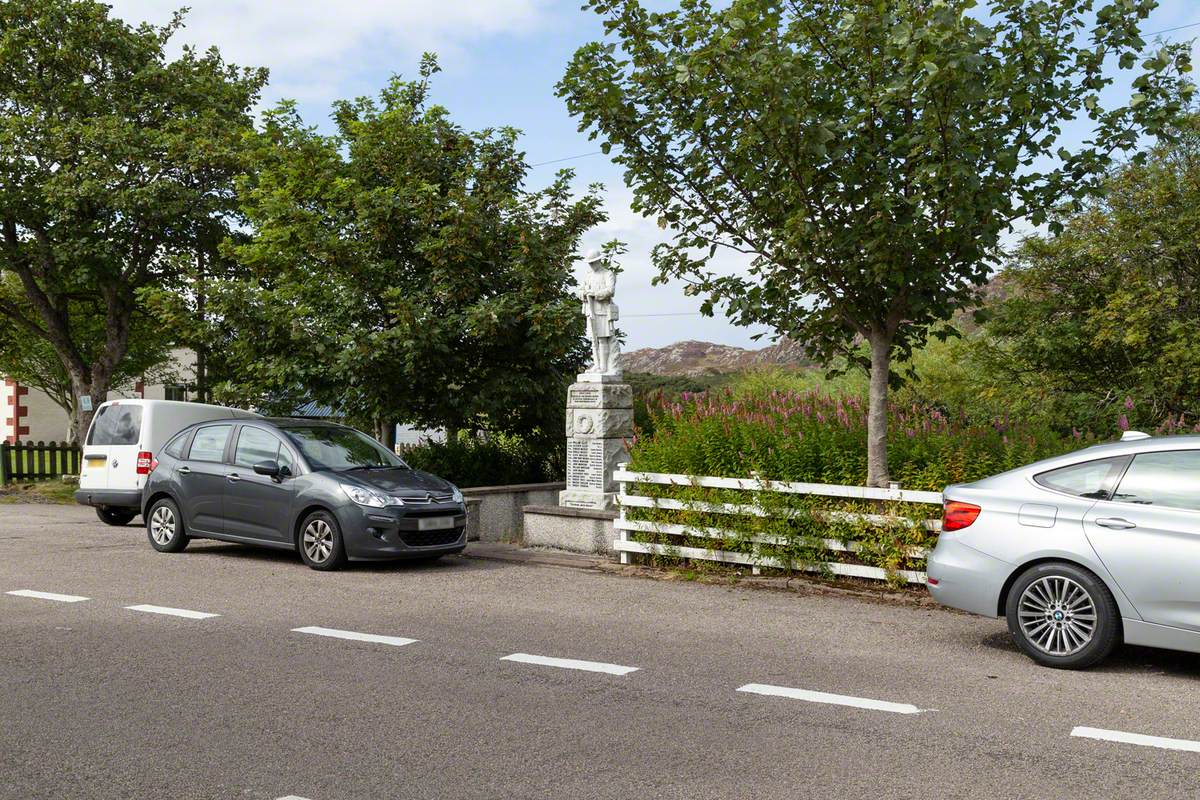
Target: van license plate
pixel 435 523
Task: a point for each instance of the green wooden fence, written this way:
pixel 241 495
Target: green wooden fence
pixel 33 461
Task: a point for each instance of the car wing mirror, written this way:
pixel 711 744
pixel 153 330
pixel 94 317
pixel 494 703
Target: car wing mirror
pixel 270 468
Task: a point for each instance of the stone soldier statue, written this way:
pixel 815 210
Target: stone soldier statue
pixel 596 292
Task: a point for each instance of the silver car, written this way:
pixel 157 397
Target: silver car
pixel 1082 551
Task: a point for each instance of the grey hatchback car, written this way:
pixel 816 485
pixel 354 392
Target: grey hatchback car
pixel 1082 551
pixel 327 491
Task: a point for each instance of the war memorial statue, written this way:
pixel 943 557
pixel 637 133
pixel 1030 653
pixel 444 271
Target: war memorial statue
pixel 599 405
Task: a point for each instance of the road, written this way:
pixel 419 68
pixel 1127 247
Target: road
pixel 98 700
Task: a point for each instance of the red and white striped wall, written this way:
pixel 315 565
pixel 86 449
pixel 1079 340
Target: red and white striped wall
pixel 14 411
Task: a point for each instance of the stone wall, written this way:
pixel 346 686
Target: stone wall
pixel 494 513
pixel 581 530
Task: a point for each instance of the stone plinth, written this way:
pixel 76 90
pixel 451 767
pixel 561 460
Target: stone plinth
pixel 580 530
pixel 599 423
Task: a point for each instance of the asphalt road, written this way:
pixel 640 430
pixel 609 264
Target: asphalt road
pixel 101 701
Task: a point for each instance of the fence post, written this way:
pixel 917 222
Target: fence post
pixel 622 534
pixel 5 466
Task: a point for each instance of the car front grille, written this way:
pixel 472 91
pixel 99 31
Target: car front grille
pixel 430 538
pixel 426 499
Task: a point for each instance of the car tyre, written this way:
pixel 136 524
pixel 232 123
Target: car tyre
pixel 1063 616
pixel 320 542
pixel 164 527
pixel 118 517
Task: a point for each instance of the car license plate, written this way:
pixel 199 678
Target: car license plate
pixel 435 523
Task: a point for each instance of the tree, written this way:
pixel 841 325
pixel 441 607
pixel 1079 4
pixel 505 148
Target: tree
pixel 399 271
pixel 114 161
pixel 866 155
pixel 30 360
pixel 1109 309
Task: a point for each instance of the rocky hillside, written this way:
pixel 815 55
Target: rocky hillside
pixel 706 358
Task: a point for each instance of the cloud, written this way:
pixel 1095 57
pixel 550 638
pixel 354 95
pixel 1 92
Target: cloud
pixel 313 45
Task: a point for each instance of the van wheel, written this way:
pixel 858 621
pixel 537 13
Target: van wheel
pixel 164 527
pixel 1063 616
pixel 321 542
pixel 115 516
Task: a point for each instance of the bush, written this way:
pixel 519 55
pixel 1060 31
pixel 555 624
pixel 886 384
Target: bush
pixel 494 461
pixel 794 435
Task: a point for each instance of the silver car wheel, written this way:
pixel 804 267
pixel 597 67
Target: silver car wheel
pixel 162 524
pixel 318 541
pixel 1057 615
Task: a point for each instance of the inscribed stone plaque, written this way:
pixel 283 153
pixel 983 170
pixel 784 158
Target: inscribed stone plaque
pixel 585 464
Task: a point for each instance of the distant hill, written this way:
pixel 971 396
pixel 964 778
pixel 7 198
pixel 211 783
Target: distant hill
pixel 706 358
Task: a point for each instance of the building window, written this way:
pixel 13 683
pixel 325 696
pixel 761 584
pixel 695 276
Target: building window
pixel 176 392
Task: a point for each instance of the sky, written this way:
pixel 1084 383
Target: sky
pixel 500 61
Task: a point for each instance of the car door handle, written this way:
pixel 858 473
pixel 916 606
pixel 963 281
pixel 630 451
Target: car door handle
pixel 233 477
pixel 1114 522
pixel 184 470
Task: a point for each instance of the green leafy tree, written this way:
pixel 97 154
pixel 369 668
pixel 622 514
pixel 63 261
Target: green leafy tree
pixel 29 359
pixel 115 161
pixel 1109 308
pixel 399 271
pixel 866 155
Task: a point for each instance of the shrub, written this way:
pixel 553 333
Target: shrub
pixel 794 435
pixel 493 461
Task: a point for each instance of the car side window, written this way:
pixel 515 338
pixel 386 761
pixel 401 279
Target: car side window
pixel 1170 479
pixel 1091 479
pixel 174 447
pixel 254 446
pixel 209 443
pixel 285 458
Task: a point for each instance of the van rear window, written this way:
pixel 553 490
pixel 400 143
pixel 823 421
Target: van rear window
pixel 119 424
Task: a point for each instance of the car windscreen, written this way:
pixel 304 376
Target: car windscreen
pixel 330 448
pixel 116 424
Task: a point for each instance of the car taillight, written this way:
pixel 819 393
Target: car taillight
pixel 956 515
pixel 146 463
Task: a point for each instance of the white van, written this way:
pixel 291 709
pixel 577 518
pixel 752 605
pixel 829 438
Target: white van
pixel 120 447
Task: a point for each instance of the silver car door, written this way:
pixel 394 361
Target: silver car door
pixel 1148 536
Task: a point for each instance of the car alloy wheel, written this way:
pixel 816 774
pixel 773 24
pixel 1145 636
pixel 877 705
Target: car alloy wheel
pixel 317 541
pixel 162 524
pixel 1057 615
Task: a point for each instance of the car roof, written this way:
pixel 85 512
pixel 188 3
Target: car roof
pixel 266 422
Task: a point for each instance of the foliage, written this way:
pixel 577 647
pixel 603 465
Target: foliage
pixel 1104 318
pixel 817 437
pixel 495 460
pixel 31 361
pixel 767 427
pixel 649 389
pixel 399 271
pixel 114 162
pixel 866 156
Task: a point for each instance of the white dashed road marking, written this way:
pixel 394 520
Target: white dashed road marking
pixel 292 797
pixel 173 612
pixel 397 641
pixel 831 699
pixel 570 663
pixel 61 598
pixel 1137 738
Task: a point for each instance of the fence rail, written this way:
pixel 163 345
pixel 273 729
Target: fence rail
pixel 24 461
pixel 629 498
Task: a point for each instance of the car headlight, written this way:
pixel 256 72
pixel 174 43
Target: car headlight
pixel 456 495
pixel 364 497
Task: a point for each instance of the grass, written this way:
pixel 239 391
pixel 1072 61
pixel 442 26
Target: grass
pixel 47 492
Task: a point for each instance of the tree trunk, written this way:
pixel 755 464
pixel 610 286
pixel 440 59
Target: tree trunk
pixel 97 390
pixel 877 413
pixel 386 434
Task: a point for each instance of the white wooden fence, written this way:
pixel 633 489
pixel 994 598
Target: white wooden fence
pixel 629 499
